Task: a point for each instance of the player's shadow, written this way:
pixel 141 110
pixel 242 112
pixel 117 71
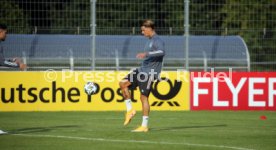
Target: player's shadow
pixel 187 127
pixel 40 129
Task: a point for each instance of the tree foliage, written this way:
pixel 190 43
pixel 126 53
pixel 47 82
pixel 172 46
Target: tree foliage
pixel 255 23
pixel 71 17
pixel 13 17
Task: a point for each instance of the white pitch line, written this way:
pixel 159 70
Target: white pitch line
pixel 133 141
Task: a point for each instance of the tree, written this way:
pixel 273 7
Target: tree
pixel 70 17
pixel 205 17
pixel 14 17
pixel 255 23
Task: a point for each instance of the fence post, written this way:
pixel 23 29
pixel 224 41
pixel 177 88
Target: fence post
pixel 71 59
pixel 264 33
pixel 133 30
pixel 35 30
pixel 186 26
pixel 24 59
pixel 205 61
pixel 117 60
pixel 78 30
pixel 93 32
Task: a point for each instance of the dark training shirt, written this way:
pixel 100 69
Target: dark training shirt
pixel 3 61
pixel 155 49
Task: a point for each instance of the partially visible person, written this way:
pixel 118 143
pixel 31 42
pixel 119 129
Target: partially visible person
pixel 15 62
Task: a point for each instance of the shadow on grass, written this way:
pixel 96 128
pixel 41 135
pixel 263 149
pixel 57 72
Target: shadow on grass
pixel 187 127
pixel 39 129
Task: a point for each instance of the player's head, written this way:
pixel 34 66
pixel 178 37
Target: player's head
pixel 147 28
pixel 3 32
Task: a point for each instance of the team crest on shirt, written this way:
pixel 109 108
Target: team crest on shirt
pixel 150 44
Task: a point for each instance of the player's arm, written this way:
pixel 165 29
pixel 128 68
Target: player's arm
pixel 9 63
pixel 15 63
pixel 155 53
pixel 158 49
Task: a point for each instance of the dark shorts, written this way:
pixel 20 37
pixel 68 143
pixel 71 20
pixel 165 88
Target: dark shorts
pixel 140 79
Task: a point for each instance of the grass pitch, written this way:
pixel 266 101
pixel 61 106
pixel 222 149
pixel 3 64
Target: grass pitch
pixel 202 130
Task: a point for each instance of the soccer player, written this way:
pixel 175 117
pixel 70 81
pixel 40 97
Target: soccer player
pixel 16 62
pixel 144 76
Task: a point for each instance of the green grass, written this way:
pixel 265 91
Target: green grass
pixel 202 130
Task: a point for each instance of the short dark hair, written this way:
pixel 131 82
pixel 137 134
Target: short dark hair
pixel 3 26
pixel 148 23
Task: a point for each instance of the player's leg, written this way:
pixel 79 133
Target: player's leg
pixel 145 105
pixel 124 86
pixel 145 118
pixel 145 89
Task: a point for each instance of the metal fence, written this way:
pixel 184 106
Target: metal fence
pixel 254 21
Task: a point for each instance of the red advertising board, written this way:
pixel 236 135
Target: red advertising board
pixel 233 90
